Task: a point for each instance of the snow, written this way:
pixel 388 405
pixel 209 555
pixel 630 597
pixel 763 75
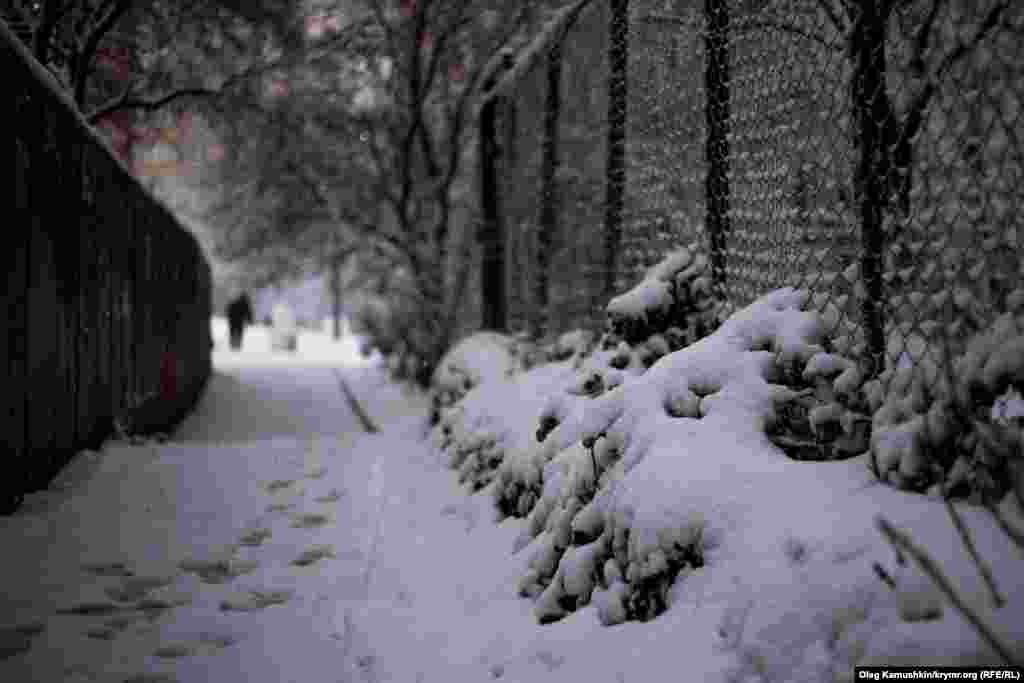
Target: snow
pixel 478 358
pixel 787 542
pixel 273 541
pixel 654 293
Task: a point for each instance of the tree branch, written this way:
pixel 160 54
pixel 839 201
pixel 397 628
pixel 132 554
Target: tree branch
pixel 556 25
pixel 51 15
pixel 83 60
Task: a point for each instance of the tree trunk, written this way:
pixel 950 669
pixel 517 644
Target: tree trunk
pixel 615 178
pixel 335 286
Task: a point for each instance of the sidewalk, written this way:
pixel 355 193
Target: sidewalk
pixel 206 558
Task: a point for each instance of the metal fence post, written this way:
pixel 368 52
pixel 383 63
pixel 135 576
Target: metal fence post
pixel 548 223
pixel 615 179
pixel 867 42
pixel 491 233
pixel 717 112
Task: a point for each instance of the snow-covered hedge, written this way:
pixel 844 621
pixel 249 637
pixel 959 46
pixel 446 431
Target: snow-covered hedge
pixel 605 520
pixel 599 451
pixel 950 425
pixel 645 467
pixel 479 358
pixel 475 440
pixel 670 308
pixel 565 491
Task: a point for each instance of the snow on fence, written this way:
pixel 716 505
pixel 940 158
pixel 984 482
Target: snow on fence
pixel 107 297
pixel 870 153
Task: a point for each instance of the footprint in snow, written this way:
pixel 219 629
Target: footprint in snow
pixel 142 612
pixel 114 626
pixel 218 570
pixel 316 473
pixel 312 555
pixel 549 659
pixel 17 639
pixel 255 537
pixel 309 520
pixel 332 496
pixel 90 608
pixel 135 588
pixel 254 600
pixel 107 569
pixel 279 485
pixel 207 644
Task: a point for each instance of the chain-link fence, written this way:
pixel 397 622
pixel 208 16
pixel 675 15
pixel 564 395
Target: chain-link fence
pixel 868 151
pixel 552 167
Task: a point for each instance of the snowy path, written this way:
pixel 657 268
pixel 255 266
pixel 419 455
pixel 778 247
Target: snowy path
pixel 203 559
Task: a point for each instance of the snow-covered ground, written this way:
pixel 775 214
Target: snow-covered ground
pixel 272 541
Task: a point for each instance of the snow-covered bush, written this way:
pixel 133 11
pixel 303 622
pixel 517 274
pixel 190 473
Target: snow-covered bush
pixel 572 345
pixel 474 440
pixel 670 308
pixel 602 522
pixel 826 417
pixel 480 357
pixel 947 424
pixel 476 448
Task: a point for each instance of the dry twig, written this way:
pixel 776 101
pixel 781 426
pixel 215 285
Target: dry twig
pixel 369 425
pixel 901 541
pixel 983 568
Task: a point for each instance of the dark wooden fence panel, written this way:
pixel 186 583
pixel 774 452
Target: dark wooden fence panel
pixel 106 297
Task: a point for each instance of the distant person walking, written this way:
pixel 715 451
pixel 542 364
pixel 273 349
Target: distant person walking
pixel 239 315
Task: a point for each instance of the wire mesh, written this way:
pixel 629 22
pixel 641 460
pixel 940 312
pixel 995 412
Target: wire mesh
pixel 869 152
pixel 952 259
pixel 572 240
pixel 849 128
pixel 667 128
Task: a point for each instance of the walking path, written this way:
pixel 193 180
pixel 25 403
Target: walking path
pixel 204 558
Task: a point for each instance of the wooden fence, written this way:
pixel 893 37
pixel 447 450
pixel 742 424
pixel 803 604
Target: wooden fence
pixel 106 303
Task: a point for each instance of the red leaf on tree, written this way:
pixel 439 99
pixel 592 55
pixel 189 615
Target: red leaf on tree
pixel 277 88
pixel 184 123
pixel 315 26
pixel 114 60
pixel 215 152
pixel 143 135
